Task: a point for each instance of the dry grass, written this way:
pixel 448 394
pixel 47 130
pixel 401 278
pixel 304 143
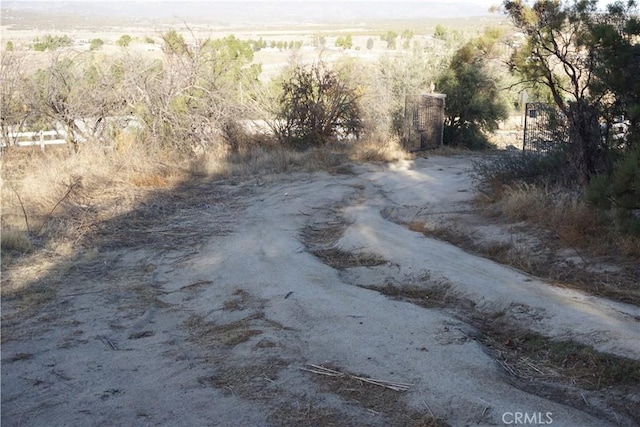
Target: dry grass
pixel 575 223
pixel 270 158
pixel 340 259
pixel 573 374
pixel 15 241
pixel 562 371
pixel 380 401
pixel 53 200
pixel 252 382
pixel 376 149
pixel 547 260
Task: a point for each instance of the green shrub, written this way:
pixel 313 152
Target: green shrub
pixel 96 44
pixel 124 41
pixel 50 42
pixel 619 191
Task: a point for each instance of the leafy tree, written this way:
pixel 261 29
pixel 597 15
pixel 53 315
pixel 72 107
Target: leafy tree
pixel 9 46
pixel 80 94
pixel 50 42
pixel 619 191
pixel 614 41
pixel 397 77
pixel 390 37
pixel 406 35
pixel 345 42
pixel 193 97
pixel 440 32
pixel 474 103
pixel 124 40
pixel 315 105
pixel 174 43
pixel 96 44
pixel 319 41
pixel 561 54
pixel 614 37
pixel 370 43
pixel 229 60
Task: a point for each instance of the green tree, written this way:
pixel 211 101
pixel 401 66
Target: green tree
pixel 614 41
pixel 124 40
pixel 80 93
pixel 406 35
pixel 440 32
pixel 50 42
pixel 370 43
pixel 9 46
pixel 174 43
pixel 474 103
pixel 617 52
pixel 397 77
pixel 390 37
pixel 345 42
pixel 229 60
pixel 560 53
pixel 319 41
pixel 96 44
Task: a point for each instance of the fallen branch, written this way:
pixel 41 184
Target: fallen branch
pixel 392 385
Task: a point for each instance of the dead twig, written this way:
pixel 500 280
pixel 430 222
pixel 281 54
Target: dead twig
pixel 70 188
pixel 391 385
pixel 24 211
pixel 108 342
pixel 508 368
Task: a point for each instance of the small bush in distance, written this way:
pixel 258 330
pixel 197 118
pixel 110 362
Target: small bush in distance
pixel 124 41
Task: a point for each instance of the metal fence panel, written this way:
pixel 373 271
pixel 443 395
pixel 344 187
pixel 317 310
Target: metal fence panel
pixel 545 128
pixel 423 122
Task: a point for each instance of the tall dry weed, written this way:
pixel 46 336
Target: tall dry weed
pixel 46 193
pixel 376 148
pixel 568 215
pixel 525 202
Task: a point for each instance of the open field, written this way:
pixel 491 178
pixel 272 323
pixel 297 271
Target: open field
pixel 22 26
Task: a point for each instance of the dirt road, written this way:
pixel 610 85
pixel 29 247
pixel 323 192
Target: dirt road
pixel 212 309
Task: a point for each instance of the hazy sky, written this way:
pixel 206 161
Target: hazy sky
pixel 485 3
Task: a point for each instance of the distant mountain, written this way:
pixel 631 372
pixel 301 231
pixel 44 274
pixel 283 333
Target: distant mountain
pixel 263 13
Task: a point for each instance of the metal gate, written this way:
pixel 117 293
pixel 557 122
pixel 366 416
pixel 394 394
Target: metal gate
pixel 423 122
pixel 545 128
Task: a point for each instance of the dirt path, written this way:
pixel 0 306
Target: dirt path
pixel 210 318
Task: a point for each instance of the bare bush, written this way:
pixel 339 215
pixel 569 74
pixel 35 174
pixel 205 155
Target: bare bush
pixel 12 93
pixel 317 106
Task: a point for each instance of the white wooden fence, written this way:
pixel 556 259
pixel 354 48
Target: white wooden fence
pixel 41 138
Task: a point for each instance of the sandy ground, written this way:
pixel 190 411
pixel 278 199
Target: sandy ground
pixel 276 274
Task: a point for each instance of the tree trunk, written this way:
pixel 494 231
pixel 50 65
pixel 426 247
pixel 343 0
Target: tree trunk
pixel 587 154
